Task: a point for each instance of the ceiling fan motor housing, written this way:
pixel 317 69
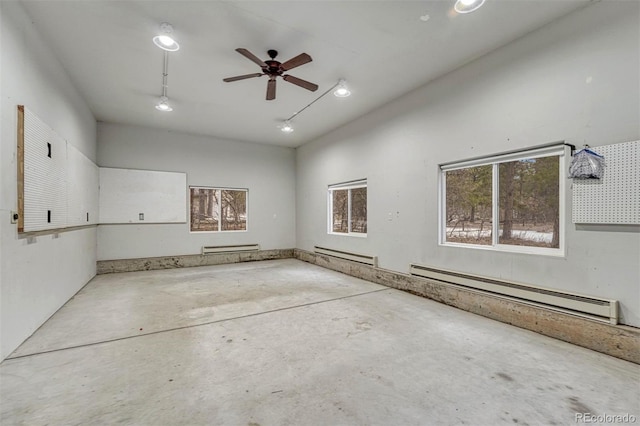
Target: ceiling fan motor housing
pixel 273 67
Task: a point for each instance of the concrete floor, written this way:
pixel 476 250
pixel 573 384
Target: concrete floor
pixel 288 343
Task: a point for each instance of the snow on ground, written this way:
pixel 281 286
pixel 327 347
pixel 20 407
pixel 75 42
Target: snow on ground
pixel 527 235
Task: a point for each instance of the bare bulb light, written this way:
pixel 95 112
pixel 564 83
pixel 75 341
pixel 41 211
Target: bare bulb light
pixel 163 105
pixel 287 127
pixel 342 91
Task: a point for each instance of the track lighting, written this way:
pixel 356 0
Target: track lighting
pixel 342 91
pixel 339 89
pixel 467 6
pixel 164 40
pixel 163 105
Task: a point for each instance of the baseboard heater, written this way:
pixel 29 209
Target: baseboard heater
pixel 356 257
pixel 230 249
pixel 604 310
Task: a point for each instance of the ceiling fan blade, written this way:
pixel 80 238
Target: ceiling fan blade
pixel 242 77
pixel 301 59
pixel 244 52
pixel 271 89
pixel 300 82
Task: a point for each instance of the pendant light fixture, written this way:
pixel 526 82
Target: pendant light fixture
pixel 467 6
pixel 164 40
pixel 286 127
pixel 342 91
pixel 163 105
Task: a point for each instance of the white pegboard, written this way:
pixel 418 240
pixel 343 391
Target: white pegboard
pixel 45 189
pixel 614 199
pixel 82 184
pixel 60 183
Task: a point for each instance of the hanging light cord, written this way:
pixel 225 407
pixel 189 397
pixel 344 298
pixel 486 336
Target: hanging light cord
pixel 295 114
pixel 165 73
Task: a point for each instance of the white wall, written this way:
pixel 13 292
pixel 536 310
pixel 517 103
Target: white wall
pixel 37 275
pixel 267 171
pixel 574 80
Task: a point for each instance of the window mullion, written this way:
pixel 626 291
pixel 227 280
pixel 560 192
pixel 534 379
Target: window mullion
pixel 443 207
pixel 219 191
pixel 330 211
pixel 495 204
pixel 348 211
pixel 561 198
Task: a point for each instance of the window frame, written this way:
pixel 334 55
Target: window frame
pixel 558 149
pixel 355 184
pixel 219 210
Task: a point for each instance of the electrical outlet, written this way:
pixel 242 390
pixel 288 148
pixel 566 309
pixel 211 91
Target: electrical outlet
pixel 14 217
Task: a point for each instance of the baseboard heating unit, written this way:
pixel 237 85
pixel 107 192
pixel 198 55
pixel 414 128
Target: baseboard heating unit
pixel 230 249
pixel 604 310
pixel 356 257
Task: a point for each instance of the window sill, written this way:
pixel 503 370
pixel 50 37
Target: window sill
pixel 503 248
pixel 217 232
pixel 350 234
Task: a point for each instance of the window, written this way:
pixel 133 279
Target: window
pixel 348 208
pixel 511 202
pixel 469 211
pixel 216 209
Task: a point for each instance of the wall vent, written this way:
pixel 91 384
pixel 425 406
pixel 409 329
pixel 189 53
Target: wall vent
pixel 356 257
pixel 230 249
pixel 604 310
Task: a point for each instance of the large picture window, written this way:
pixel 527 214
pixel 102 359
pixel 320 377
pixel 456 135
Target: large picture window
pixel 218 209
pixel 510 202
pixel 348 208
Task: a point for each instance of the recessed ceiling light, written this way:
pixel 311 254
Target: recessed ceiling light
pixel 164 40
pixel 468 6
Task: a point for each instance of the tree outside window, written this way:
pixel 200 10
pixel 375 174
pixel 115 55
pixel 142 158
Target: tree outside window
pixel 468 205
pixel 530 202
pixel 216 209
pixel 340 211
pixel 358 220
pixel 348 208
pixel 504 203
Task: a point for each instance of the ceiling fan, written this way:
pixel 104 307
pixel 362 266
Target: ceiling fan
pixel 273 69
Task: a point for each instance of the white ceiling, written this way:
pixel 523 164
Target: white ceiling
pixel 382 48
